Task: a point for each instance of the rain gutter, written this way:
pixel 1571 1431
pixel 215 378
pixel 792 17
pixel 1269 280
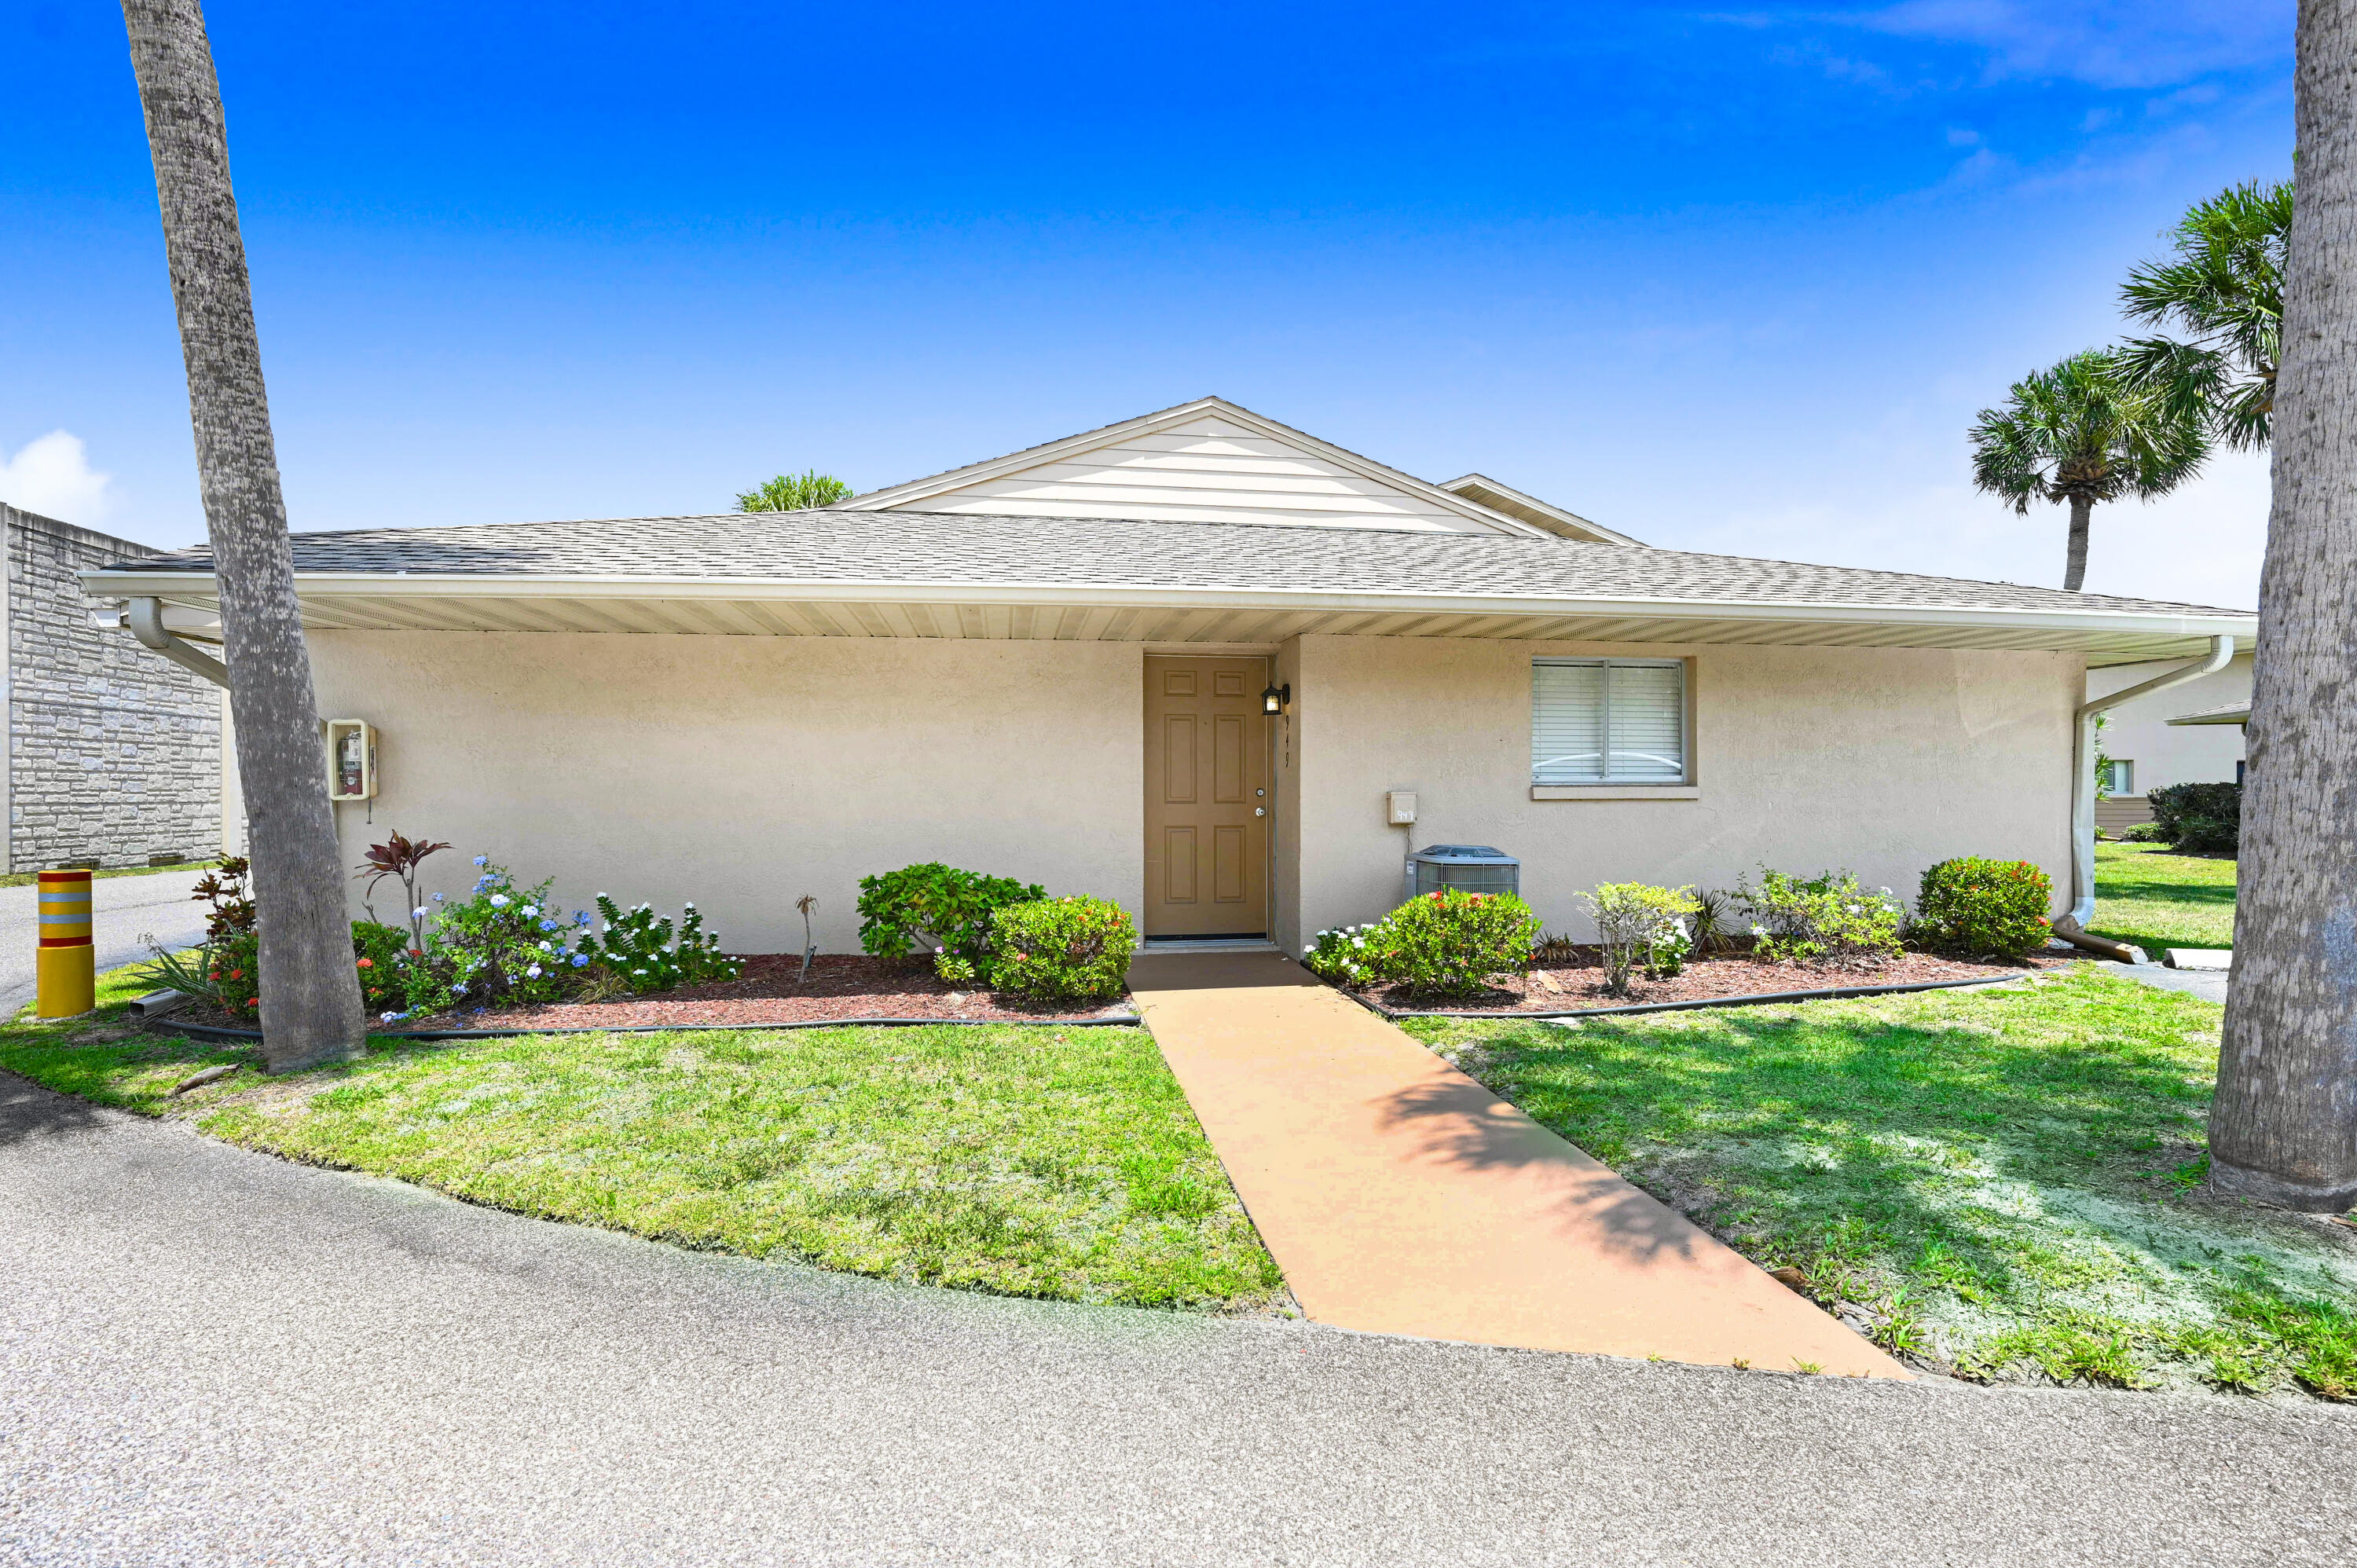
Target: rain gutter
pixel 2071 927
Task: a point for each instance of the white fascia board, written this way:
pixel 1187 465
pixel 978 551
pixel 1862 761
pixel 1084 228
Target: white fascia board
pixel 902 496
pixel 348 584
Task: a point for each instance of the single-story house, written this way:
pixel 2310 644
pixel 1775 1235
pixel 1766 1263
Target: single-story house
pixel 1197 663
pixel 2150 747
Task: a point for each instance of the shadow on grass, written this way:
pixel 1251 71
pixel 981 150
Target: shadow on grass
pixel 1844 1134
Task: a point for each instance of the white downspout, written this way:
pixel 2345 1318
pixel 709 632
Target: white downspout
pixel 2071 927
pixel 144 617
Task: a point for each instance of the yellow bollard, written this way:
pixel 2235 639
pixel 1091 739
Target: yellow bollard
pixel 66 972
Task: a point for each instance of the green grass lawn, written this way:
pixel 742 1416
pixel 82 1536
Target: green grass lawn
pixel 2005 1182
pixel 1030 1160
pixel 2156 899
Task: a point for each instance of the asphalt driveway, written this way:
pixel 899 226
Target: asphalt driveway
pixel 124 911
pixel 213 1356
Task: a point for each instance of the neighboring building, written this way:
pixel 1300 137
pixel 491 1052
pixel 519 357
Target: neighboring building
pixel 2149 748
pixel 114 756
pixel 1004 669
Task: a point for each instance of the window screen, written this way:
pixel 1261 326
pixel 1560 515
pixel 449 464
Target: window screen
pixel 1598 721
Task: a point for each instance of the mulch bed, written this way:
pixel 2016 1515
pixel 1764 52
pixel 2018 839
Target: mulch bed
pixel 770 991
pixel 1578 984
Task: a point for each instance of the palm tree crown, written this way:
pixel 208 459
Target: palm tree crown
pixel 2079 433
pixel 2223 288
pixel 794 492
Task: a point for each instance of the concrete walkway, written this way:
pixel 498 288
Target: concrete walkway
pixel 1402 1197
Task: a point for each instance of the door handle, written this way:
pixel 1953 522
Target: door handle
pixel 1259 810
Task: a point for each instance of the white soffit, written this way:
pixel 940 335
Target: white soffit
pixel 708 607
pixel 1208 461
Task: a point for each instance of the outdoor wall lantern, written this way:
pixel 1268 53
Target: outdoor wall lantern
pixel 1276 697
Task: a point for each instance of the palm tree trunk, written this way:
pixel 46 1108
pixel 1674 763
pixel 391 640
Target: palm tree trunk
pixel 310 991
pixel 2074 565
pixel 2285 1128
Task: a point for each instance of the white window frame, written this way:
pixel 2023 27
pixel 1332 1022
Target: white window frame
pixel 2120 766
pixel 1684 789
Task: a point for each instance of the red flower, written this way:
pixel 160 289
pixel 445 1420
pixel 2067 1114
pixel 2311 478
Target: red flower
pixel 257 1002
pixel 368 963
pixel 237 974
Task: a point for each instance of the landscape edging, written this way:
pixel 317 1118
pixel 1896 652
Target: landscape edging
pixel 1826 994
pixel 222 1032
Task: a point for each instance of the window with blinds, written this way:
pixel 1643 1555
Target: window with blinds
pixel 1608 721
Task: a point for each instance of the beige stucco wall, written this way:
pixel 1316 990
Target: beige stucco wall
pixel 1880 760
pixel 2173 754
pixel 742 772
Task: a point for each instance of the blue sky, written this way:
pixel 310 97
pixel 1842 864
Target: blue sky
pixel 1722 279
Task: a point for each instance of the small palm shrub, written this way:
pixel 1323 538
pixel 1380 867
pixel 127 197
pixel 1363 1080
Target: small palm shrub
pixel 1825 919
pixel 637 949
pixel 1984 908
pixel 1451 943
pixel 1641 926
pixel 2199 819
pixel 1073 949
pixel 1714 907
pixel 952 969
pixel 937 906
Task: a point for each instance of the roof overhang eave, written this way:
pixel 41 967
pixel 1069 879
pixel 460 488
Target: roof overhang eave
pixel 114 584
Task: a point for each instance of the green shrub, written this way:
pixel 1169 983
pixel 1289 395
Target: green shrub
pixel 939 906
pixel 1450 944
pixel 952 969
pixel 226 973
pixel 1074 949
pixel 638 950
pixel 1821 920
pixel 2199 819
pixel 502 946
pixel 382 952
pixel 1641 925
pixel 2144 832
pixel 1984 908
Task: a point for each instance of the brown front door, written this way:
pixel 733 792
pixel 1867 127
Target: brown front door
pixel 1206 797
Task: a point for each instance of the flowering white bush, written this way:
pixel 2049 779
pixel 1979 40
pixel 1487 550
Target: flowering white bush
pixel 637 947
pixel 1823 919
pixel 1343 956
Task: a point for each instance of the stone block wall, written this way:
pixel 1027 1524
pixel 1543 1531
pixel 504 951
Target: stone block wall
pixel 113 753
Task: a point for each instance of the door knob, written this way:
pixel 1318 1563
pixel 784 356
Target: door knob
pixel 1259 810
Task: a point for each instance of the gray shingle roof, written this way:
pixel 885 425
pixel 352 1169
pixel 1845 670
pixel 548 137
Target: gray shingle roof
pixel 950 549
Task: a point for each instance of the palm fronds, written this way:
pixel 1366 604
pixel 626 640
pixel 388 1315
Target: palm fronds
pixel 2223 288
pixel 794 492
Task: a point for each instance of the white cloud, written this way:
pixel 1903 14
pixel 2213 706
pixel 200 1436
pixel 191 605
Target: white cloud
pixel 2104 43
pixel 52 476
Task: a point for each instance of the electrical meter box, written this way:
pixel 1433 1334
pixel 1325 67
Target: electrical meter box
pixel 1400 807
pixel 351 759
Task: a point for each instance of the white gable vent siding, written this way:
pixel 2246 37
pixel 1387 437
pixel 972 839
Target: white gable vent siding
pixel 1205 471
pixel 1608 721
